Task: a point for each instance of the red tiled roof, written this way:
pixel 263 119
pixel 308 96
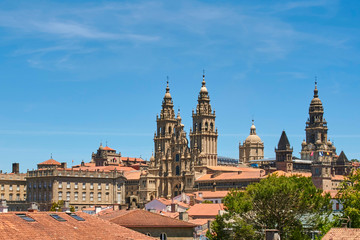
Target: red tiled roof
pixel 232 176
pixel 132 175
pixel 46 227
pixel 205 210
pixel 200 221
pixel 141 218
pixel 333 193
pixel 212 194
pixel 132 159
pixel 342 234
pixel 289 174
pixel 50 162
pixel 338 177
pixel 108 148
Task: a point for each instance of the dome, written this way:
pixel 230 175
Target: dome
pixel 318 141
pixel 203 89
pixel 253 139
pixel 167 95
pixel 329 142
pixel 316 101
pixel 101 147
pixel 152 158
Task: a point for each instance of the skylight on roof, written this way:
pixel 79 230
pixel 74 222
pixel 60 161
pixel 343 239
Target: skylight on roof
pixel 73 215
pixel 26 218
pixel 57 217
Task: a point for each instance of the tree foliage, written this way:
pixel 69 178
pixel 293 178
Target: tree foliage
pixel 291 205
pixel 58 206
pixel 349 197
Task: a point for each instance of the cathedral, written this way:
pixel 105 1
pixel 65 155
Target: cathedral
pixel 176 163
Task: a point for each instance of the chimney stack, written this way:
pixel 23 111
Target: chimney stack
pixel 63 165
pixel 15 168
pixel 66 207
pixel 184 216
pixel 3 206
pixel 97 209
pixel 33 207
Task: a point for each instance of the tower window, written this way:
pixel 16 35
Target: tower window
pixel 206 126
pixel 177 171
pixel 177 157
pixel 211 126
pixel 169 130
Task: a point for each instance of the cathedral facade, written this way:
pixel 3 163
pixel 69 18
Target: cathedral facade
pixel 176 163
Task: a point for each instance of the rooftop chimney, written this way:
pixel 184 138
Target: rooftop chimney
pixel 63 165
pixel 3 206
pixel 173 207
pixel 97 209
pixel 272 234
pixel 184 216
pixel 66 207
pixel 33 207
pixel 15 168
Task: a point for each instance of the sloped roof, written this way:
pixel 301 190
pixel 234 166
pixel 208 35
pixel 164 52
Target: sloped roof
pixel 342 234
pixel 45 227
pixel 132 159
pixel 132 175
pixel 342 160
pixel 284 143
pixel 143 218
pixel 212 194
pixel 108 148
pixel 208 210
pixel 50 162
pixel 233 176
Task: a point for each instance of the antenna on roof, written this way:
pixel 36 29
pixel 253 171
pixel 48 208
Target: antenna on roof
pixel 106 143
pixel 315 80
pixel 50 155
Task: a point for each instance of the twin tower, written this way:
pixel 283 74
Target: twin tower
pixel 174 164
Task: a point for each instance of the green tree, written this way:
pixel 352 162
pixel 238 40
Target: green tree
pixel 349 197
pixel 57 206
pixel 292 205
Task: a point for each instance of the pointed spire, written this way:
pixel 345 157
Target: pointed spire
pixel 178 115
pixel 167 94
pixel 316 90
pixel 253 128
pixel 284 143
pixel 51 157
pixel 203 82
pixel 203 89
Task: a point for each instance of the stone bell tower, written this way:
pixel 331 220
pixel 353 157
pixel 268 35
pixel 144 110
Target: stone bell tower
pixel 203 137
pixel 317 147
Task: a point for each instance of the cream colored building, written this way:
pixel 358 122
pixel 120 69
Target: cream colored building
pixel 252 148
pixel 13 188
pixel 81 188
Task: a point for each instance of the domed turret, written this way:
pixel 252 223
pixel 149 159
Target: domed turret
pixel 253 138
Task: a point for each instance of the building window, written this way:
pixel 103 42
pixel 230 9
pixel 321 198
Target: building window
pixel 107 186
pixel 10 188
pixel 39 184
pixel 91 196
pixel 337 206
pixel 34 185
pixel 76 185
pixel 84 196
pixel 177 157
pixel 107 197
pixel 99 197
pixel 2 186
pixel 118 186
pixel 44 184
pixel 177 171
pixel 68 196
pixel 17 187
pixel 10 197
pixel 68 185
pixel 44 196
pixel 2 196
pixel 163 236
pixel 76 196
pixel 60 195
pixel 84 186
pixel 60 184
pixel 99 186
pixel 91 186
pixel 49 184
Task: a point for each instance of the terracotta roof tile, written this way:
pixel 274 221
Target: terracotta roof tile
pixel 142 218
pixel 132 175
pixel 342 234
pixel 205 210
pixel 46 227
pixel 108 148
pixel 212 194
pixel 232 176
pixel 132 159
pixel 50 162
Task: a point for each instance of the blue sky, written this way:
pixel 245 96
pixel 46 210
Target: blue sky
pixel 73 74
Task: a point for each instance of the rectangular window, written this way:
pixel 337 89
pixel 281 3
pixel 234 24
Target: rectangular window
pixel 76 196
pixel 99 186
pixel 10 197
pixel 10 188
pixel 57 217
pixel 60 195
pixel 84 186
pixel 17 187
pixel 60 184
pixel 91 196
pixel 44 196
pixel 91 186
pixel 84 196
pixel 39 184
pixel 2 196
pixel 107 186
pixel 76 185
pixel 68 185
pixel 44 184
pixel 49 184
pixel 68 196
pixel 99 197
pixel 17 197
pixel 107 197
pixel 118 186
pixel 2 187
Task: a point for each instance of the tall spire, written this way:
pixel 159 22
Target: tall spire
pixel 167 94
pixel 316 90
